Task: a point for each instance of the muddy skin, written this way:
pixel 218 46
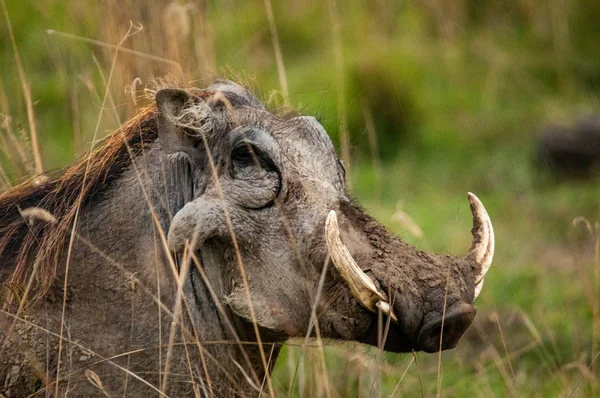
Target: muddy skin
pixel 418 283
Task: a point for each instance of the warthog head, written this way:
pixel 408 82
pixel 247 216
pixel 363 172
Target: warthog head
pixel 271 220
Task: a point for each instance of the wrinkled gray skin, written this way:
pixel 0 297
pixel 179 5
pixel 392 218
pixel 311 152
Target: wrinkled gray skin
pixel 111 311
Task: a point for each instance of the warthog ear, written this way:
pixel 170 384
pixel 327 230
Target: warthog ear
pixel 181 119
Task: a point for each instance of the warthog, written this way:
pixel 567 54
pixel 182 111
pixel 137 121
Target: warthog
pixel 176 259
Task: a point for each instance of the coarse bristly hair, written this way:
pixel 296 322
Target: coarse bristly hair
pixel 36 245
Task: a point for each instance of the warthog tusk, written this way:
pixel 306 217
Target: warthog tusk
pixel 482 248
pixel 361 286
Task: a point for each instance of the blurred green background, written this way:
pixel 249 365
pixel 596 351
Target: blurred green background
pixel 437 98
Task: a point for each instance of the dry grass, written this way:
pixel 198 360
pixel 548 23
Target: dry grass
pixel 492 358
pixel 26 94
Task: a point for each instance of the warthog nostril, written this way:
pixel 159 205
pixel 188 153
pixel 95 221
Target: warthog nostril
pixel 447 331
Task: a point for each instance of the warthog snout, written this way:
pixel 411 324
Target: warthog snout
pixel 445 330
pixel 427 297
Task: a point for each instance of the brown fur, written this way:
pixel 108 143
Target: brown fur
pixel 38 244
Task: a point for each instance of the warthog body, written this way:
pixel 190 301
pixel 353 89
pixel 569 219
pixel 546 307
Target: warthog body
pixel 178 257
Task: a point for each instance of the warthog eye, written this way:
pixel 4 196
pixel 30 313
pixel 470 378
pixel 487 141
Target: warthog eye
pixel 250 162
pixel 254 168
pixel 243 154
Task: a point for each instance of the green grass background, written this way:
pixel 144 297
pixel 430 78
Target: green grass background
pixel 457 92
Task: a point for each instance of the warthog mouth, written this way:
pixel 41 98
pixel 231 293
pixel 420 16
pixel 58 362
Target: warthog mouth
pixel 442 331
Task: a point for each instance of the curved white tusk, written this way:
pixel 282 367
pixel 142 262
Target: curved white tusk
pixel 482 248
pixel 478 288
pixel 361 286
pixel 386 308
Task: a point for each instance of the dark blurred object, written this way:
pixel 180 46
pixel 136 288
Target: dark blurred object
pixel 571 151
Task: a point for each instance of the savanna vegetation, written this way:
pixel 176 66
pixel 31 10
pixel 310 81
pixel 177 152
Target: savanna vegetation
pixel 426 100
